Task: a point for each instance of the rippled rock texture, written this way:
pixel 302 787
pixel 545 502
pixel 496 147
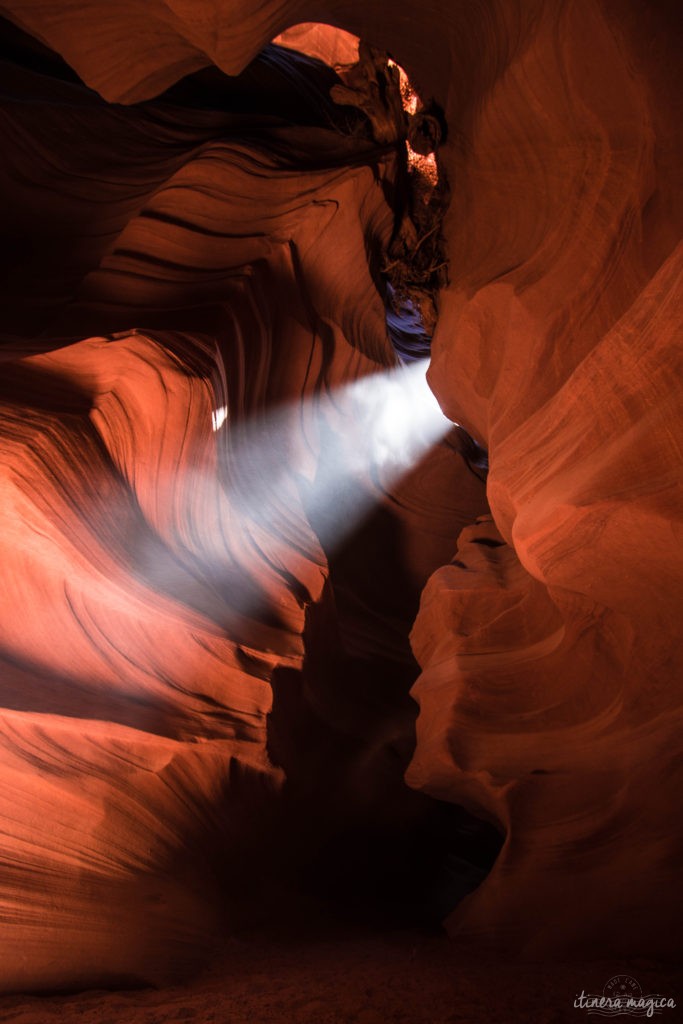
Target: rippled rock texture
pixel 181 245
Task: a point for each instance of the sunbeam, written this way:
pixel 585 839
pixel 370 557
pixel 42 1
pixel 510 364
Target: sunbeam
pixel 303 475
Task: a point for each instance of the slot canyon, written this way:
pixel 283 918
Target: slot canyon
pixel 341 661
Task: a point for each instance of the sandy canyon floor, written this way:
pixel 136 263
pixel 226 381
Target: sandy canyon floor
pixel 354 977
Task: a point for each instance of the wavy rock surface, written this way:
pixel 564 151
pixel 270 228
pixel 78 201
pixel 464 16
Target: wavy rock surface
pixel 559 343
pixel 158 562
pixel 550 646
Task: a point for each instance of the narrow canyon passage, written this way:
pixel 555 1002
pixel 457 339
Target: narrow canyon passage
pixel 252 503
pixel 341 502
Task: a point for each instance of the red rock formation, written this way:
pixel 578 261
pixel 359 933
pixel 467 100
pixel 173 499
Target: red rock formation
pixel 551 663
pixel 559 342
pixel 331 45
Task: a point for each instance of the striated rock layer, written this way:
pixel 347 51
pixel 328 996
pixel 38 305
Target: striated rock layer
pixel 165 528
pixel 136 684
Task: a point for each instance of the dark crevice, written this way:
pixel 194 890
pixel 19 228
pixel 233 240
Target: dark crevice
pixel 361 846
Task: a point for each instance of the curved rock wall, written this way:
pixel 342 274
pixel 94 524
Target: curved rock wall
pixel 158 561
pixel 559 344
pixel 550 646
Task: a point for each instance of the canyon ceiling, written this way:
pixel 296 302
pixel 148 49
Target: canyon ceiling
pixel 231 649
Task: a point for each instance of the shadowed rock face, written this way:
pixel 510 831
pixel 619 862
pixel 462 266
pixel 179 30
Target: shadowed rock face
pixel 177 246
